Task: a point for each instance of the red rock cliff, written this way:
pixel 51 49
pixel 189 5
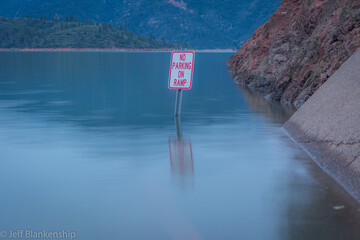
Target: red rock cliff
pixel 299 48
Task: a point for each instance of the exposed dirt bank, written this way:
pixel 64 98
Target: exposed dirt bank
pixel 298 49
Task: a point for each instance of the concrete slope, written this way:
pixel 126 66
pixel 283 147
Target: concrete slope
pixel 328 125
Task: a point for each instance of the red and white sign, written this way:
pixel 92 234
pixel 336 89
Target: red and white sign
pixel 181 69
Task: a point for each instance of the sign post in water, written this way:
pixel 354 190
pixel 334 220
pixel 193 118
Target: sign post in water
pixel 181 74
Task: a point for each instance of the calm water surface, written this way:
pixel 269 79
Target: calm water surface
pixel 88 145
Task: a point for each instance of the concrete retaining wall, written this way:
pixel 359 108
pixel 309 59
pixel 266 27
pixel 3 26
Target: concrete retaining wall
pixel 328 125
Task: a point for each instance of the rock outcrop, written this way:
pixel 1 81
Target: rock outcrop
pixel 298 49
pixel 328 125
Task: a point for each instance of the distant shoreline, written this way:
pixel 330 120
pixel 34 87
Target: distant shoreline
pixel 106 50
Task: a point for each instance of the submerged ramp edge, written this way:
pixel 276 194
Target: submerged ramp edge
pixel 328 125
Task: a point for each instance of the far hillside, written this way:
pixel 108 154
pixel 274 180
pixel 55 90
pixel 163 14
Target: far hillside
pixel 204 24
pixel 72 33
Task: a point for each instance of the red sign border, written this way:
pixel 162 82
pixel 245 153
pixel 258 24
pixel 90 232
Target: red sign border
pixel 192 69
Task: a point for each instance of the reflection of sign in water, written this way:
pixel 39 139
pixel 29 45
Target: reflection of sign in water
pixel 181 158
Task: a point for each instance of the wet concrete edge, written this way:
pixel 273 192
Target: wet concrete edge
pixel 332 162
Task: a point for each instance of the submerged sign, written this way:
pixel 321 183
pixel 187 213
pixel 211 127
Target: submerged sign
pixel 181 69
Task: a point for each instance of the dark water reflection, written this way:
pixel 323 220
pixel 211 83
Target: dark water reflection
pixel 89 144
pixel 276 113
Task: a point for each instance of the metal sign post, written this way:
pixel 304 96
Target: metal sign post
pixel 178 103
pixel 178 127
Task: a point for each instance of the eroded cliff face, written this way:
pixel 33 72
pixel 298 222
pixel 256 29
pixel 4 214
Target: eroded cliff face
pixel 298 49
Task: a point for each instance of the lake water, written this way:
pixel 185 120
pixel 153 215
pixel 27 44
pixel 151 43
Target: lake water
pixel 89 147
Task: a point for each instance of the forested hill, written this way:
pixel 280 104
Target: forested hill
pixel 200 23
pixel 71 33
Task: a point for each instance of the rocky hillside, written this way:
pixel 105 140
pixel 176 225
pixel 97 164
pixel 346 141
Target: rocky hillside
pixel 298 49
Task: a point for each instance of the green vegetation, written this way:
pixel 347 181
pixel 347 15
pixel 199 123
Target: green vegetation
pixel 71 33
